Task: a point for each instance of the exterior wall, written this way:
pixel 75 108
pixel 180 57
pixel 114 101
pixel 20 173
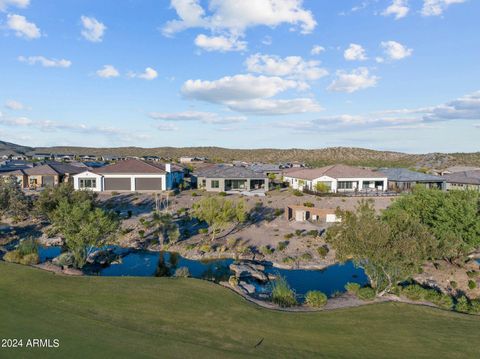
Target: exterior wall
pixel 41 181
pixel 450 186
pixel 174 179
pixel 88 175
pixel 221 181
pixel 358 183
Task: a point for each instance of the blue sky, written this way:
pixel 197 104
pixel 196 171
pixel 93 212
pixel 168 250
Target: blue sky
pixel 398 75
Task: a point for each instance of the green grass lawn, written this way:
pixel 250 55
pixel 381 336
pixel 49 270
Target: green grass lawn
pixel 187 318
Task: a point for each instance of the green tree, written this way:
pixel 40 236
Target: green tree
pixel 219 213
pixel 13 201
pixel 49 199
pixel 453 218
pixel 167 229
pixel 322 187
pixel 84 227
pixel 388 251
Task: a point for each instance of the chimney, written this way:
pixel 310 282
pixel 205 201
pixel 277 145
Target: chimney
pixel 168 167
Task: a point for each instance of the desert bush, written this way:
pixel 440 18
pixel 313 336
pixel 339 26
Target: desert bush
pixel 289 235
pixel 278 212
pixel 27 246
pixel 182 272
pixel 472 284
pixel 64 260
pixel 297 193
pixel 315 299
pixel 282 294
pixel 203 230
pixel 462 305
pixel 266 250
pixel 366 293
pixel 306 257
pixel 30 259
pixel 453 284
pixel 205 248
pixel 414 292
pixel 322 251
pixel 288 260
pixel 282 245
pixel 352 288
pixel 473 274
pixel 12 257
pixel 298 232
pixel 194 194
pixel 312 233
pixel 309 204
pixel 222 194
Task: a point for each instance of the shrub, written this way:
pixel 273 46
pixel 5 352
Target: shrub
pixel 182 272
pixel 203 230
pixel 462 305
pixel 282 294
pixel 282 245
pixel 352 288
pixel 306 257
pixel 288 236
pixel 453 284
pixel 141 233
pixel 222 194
pixel 27 246
pixel 472 284
pixel 205 248
pixel 366 293
pixel 414 292
pixel 322 251
pixel 288 260
pixel 64 260
pixel 194 194
pixel 266 250
pixel 297 193
pixel 30 259
pixel 475 306
pixel 233 281
pixel 278 212
pixel 309 204
pixel 298 232
pixel 313 233
pixel 473 274
pixel 12 257
pixel 315 299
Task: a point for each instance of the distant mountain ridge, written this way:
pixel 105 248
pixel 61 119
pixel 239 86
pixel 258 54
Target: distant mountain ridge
pixel 313 157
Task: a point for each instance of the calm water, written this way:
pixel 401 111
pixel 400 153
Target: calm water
pixel 147 264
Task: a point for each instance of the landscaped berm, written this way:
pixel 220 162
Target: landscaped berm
pixel 98 317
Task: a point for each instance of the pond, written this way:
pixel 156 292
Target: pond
pixel 330 280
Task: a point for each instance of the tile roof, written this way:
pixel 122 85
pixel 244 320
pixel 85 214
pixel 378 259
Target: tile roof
pixel 133 166
pixel 406 175
pixel 466 177
pixel 334 171
pixel 226 171
pixel 52 169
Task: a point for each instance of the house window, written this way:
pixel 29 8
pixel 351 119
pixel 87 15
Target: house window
pixel 87 182
pixel 32 181
pixel 345 185
pixel 204 183
pixel 215 184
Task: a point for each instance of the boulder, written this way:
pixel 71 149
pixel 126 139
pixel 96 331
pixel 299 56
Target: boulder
pixel 103 257
pixel 247 288
pixel 244 270
pixel 50 242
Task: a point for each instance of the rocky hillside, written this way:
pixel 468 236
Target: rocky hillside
pixel 314 157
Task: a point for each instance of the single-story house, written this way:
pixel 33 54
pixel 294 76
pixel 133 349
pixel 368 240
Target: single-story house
pixel 42 156
pixel 50 174
pixel 457 169
pixel 227 178
pixel 130 176
pixel 112 158
pixel 463 180
pixel 267 169
pixel 46 175
pixel 88 157
pixel 402 179
pixel 186 159
pixel 64 157
pixel 303 214
pixel 336 178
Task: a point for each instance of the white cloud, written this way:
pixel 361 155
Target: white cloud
pixel 148 74
pixel 355 52
pixel 317 50
pixel 18 122
pixel 395 51
pixel 93 30
pixel 272 107
pixel 293 67
pixel 236 16
pixel 233 18
pixel 356 80
pixel 398 8
pixel 167 127
pixel 14 105
pixel 22 27
pixel 108 71
pixel 251 94
pixel 463 108
pixel 437 7
pixel 204 117
pixel 220 43
pixel 4 4
pixel 267 40
pixel 45 62
pixel 236 88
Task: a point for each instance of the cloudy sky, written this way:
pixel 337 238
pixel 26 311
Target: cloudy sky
pixel 384 74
